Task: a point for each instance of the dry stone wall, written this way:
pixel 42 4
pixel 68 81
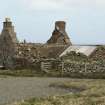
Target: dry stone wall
pixel 76 69
pixel 83 67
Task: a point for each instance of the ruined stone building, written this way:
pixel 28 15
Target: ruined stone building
pixel 16 54
pixel 12 51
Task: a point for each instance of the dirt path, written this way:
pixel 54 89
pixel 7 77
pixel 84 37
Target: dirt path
pixel 15 89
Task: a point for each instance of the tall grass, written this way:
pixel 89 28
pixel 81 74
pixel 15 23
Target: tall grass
pixel 93 93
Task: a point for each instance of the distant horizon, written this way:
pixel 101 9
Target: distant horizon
pixel 34 20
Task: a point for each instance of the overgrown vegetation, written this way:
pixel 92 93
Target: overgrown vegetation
pixel 29 73
pixel 22 73
pixel 73 56
pixel 98 55
pixel 93 93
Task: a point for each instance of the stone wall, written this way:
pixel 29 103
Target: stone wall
pixel 84 70
pixel 78 69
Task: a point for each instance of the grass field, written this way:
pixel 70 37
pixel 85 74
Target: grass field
pixel 86 92
pixel 28 73
pixel 21 73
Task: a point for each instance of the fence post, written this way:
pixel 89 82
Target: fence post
pixel 42 66
pixel 62 67
pixel 85 67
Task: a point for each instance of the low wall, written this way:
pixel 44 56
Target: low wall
pixel 83 67
pixel 84 70
pixel 78 69
pixel 75 69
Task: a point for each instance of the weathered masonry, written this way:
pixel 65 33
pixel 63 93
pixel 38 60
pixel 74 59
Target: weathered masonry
pixel 8 42
pixel 59 35
pixel 13 53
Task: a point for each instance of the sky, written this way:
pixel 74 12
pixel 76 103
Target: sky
pixel 34 20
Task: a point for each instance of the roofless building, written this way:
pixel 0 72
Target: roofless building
pixel 13 53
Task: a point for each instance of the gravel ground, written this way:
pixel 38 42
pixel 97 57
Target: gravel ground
pixel 15 89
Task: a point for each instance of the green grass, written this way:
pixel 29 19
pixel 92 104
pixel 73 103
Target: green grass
pixel 52 73
pixel 93 93
pixel 29 73
pixel 21 73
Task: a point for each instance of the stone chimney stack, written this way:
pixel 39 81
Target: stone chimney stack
pixel 60 25
pixel 59 35
pixel 8 27
pixel 8 42
pixel 7 23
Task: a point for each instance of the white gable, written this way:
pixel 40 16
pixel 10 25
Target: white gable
pixel 86 50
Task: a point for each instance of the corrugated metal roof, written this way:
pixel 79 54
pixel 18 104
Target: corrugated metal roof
pixel 86 50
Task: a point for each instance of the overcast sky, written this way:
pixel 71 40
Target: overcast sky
pixel 34 19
